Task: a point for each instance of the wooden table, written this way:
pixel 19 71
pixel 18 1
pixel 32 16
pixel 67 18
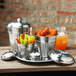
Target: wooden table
pixel 19 66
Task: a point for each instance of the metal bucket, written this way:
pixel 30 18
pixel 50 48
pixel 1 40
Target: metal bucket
pixel 45 44
pixel 24 50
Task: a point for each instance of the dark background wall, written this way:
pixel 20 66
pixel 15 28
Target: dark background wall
pixel 42 13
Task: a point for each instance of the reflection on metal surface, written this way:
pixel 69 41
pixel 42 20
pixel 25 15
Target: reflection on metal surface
pixel 61 57
pixel 8 55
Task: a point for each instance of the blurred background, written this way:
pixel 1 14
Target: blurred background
pixel 40 13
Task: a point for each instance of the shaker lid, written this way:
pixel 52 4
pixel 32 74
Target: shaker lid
pixel 17 24
pixel 62 57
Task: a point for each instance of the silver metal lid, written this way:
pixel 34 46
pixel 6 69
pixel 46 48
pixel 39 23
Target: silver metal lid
pixel 61 57
pixel 17 24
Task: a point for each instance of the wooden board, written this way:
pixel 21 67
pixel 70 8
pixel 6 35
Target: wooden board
pixel 19 66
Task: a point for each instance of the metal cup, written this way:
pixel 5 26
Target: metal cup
pixel 24 50
pixel 45 44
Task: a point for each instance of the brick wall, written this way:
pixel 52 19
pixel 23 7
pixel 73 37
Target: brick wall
pixel 38 12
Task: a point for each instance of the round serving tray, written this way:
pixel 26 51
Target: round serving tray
pixel 25 60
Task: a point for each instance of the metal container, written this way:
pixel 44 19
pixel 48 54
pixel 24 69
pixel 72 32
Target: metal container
pixel 24 50
pixel 35 56
pixel 45 44
pixel 16 28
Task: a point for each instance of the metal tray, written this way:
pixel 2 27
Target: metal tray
pixel 28 60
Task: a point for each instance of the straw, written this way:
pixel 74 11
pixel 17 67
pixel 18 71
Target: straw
pixel 57 27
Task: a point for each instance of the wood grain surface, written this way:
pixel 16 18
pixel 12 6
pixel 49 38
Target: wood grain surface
pixel 19 66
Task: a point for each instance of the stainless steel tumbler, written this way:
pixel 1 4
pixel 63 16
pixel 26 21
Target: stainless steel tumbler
pixel 24 50
pixel 45 44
